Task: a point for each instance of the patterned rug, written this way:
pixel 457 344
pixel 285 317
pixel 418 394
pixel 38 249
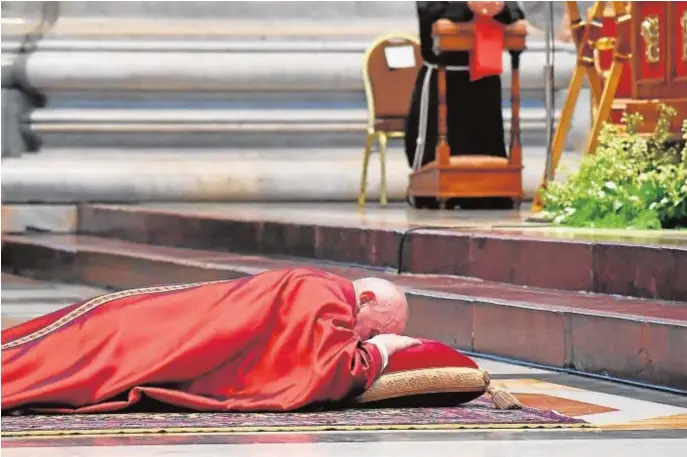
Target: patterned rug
pixel 478 414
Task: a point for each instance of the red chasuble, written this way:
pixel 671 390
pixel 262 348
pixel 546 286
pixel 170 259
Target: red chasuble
pixel 486 59
pixel 277 341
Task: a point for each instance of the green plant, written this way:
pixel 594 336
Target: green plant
pixel 631 181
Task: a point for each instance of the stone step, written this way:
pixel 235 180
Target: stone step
pixel 167 10
pixel 230 101
pixel 218 100
pixel 130 118
pixel 591 333
pixel 472 243
pixel 213 128
pixel 265 63
pixel 74 175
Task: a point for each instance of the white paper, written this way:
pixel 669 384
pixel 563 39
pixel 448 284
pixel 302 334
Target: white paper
pixel 400 56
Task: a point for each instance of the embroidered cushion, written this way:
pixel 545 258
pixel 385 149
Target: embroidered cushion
pixel 431 374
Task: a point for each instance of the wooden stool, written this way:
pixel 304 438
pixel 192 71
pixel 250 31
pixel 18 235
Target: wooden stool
pixel 472 175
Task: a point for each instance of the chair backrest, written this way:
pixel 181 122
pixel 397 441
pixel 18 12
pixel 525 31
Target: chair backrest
pixel 388 90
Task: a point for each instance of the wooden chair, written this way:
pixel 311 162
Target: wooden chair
pixel 388 92
pixel 449 177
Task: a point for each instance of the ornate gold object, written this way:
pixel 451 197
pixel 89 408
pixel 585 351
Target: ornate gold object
pixel 651 34
pixel 683 24
pixel 602 44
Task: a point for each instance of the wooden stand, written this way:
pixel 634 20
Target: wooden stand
pixel 604 49
pixel 472 175
pixel 585 35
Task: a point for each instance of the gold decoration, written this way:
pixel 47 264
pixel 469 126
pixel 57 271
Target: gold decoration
pixel 683 24
pixel 651 34
pixel 602 44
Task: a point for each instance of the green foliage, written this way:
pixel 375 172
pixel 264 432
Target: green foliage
pixel 632 181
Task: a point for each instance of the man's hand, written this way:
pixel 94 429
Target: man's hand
pixel 395 343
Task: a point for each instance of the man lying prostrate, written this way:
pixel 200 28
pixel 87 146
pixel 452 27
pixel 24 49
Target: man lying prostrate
pixel 277 341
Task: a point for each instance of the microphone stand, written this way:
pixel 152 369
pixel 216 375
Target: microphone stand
pixel 549 89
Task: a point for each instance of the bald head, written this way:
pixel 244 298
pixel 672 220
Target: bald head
pixel 382 307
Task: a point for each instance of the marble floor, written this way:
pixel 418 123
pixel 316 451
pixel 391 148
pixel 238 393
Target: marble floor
pixel 629 421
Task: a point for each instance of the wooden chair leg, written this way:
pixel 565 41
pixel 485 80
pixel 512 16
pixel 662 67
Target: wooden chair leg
pixel 383 197
pixel 366 161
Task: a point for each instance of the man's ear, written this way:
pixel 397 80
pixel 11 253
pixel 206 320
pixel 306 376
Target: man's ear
pixel 367 297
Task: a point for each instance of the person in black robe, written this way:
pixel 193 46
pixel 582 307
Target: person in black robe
pixel 474 110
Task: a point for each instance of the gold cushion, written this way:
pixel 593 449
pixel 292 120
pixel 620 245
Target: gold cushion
pixel 477 161
pixel 427 382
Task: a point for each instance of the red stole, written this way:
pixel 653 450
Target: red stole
pixel 487 56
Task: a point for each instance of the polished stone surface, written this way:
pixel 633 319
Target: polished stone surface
pixel 534 448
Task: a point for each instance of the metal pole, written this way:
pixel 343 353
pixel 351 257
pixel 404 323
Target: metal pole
pixel 549 89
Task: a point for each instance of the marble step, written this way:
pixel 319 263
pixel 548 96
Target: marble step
pixel 204 128
pixel 589 333
pixel 266 62
pixel 167 10
pixel 492 246
pixel 101 116
pixel 262 174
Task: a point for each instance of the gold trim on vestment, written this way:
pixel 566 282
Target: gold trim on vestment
pixel 96 302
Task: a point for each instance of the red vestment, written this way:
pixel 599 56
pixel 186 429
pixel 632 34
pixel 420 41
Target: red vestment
pixel 277 341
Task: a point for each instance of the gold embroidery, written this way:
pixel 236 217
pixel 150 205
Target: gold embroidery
pixel 425 381
pixel 96 302
pixel 683 24
pixel 651 34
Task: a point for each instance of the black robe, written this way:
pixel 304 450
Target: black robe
pixel 475 120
